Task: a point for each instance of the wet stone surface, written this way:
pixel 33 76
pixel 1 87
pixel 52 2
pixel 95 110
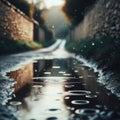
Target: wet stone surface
pixel 60 89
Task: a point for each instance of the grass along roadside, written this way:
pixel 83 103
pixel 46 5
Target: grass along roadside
pixel 16 46
pixel 105 51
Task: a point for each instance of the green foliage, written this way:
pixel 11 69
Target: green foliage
pixel 24 6
pixel 12 46
pixel 75 9
pixel 105 51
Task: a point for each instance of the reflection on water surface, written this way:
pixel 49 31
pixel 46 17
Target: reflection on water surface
pixel 60 89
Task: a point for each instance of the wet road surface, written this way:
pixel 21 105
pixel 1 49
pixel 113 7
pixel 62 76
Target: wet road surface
pixel 56 86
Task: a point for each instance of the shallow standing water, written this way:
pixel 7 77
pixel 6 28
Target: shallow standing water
pixel 58 87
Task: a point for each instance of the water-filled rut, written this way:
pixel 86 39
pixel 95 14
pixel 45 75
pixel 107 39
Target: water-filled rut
pixel 61 89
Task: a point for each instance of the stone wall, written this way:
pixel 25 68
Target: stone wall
pixel 22 76
pixel 14 24
pixel 102 20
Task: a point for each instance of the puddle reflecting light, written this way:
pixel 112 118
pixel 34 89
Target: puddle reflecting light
pixel 67 74
pixel 37 86
pixel 80 102
pixel 69 86
pixel 61 72
pixel 70 108
pixel 47 73
pixel 67 98
pixel 87 111
pixel 16 105
pixel 76 71
pixel 99 106
pixel 56 67
pixel 80 91
pixel 91 96
pixel 80 76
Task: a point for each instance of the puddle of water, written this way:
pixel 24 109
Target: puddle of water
pixel 91 96
pixel 47 73
pixel 57 89
pixel 80 102
pixel 80 92
pixel 56 67
pixel 87 111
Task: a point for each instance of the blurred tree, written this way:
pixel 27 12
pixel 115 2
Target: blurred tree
pixel 75 9
pixel 38 16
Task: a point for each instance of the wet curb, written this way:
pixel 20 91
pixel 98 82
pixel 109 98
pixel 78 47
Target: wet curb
pixel 108 79
pixel 6 91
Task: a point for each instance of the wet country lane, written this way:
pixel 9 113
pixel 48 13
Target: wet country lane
pixel 59 87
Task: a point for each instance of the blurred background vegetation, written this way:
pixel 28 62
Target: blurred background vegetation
pixel 75 9
pixel 105 50
pixel 15 46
